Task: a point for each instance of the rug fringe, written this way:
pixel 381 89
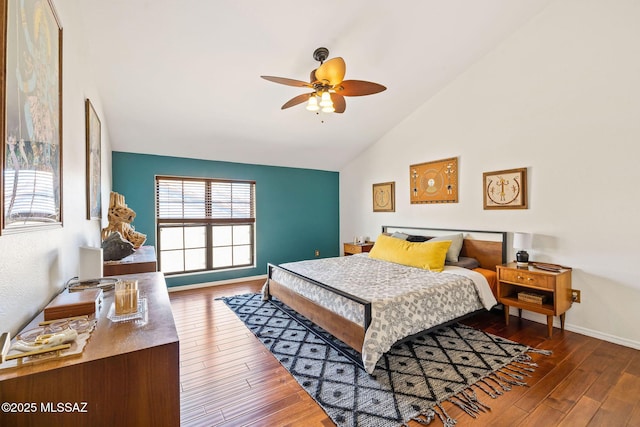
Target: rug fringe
pixel 424 418
pixel 494 376
pixel 467 400
pixel 429 415
pixel 447 421
pixel 491 393
pixel 518 374
pixel 472 397
pixel 540 351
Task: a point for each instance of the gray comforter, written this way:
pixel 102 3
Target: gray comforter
pixel 404 300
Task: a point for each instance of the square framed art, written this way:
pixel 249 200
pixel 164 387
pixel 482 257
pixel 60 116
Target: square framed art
pixel 505 189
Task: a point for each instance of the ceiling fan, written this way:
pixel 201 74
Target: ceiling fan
pixel 329 88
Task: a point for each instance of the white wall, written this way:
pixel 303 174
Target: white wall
pixel 562 98
pixel 34 266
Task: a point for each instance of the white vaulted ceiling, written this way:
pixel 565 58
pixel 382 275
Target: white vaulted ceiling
pixel 182 77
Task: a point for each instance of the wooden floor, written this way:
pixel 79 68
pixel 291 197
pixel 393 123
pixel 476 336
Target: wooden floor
pixel 228 378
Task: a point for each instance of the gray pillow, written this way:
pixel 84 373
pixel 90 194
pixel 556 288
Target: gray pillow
pixel 399 235
pixel 456 245
pixel 465 262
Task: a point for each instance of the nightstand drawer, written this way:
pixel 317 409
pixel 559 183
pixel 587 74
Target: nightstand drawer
pixel 357 248
pixel 526 278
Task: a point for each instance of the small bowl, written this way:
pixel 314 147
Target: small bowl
pixel 29 337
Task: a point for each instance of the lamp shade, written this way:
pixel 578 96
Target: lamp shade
pixel 91 263
pixel 312 104
pixel 522 240
pixel 325 100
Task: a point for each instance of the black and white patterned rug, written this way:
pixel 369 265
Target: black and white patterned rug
pixel 455 363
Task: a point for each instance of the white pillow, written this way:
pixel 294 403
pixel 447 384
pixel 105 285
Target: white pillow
pixel 399 235
pixel 456 245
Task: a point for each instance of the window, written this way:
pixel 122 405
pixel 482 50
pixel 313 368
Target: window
pixel 204 224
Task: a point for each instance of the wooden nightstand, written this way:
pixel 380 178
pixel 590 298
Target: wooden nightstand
pixel 357 248
pixel 553 287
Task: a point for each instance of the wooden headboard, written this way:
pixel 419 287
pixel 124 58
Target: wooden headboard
pixel 488 247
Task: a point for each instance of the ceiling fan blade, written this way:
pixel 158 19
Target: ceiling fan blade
pixel 288 82
pixel 297 100
pixel 332 71
pixel 358 88
pixel 339 103
pixel 312 77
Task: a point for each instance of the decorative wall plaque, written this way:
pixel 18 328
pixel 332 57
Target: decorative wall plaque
pixel 434 182
pixel 505 189
pixel 384 197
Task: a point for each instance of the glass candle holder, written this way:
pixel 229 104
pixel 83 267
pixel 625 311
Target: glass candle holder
pixel 126 297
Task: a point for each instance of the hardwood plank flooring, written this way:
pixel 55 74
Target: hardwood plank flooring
pixel 228 378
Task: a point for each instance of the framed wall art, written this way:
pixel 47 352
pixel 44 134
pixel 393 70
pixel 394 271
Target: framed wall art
pixel 384 197
pixel 505 189
pixel 31 119
pixel 434 182
pixel 94 158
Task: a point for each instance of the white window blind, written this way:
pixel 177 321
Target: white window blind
pixel 29 194
pixel 207 200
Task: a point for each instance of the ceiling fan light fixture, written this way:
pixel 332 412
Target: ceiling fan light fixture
pixel 328 85
pixel 325 100
pixel 312 104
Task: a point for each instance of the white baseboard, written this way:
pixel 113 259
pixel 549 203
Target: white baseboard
pixel 216 283
pixel 538 318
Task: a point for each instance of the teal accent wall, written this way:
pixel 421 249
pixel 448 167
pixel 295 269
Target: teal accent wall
pixel 297 209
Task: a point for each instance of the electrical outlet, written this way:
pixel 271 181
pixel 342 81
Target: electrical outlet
pixel 575 295
pixel 317 252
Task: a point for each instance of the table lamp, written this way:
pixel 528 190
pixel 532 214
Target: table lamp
pixel 522 242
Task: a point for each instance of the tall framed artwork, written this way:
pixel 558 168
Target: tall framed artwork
pixel 434 182
pixel 31 119
pixel 384 197
pixel 505 189
pixel 94 158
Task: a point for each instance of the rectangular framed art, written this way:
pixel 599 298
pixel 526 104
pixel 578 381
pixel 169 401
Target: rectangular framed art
pixel 94 158
pixel 31 119
pixel 505 189
pixel 384 197
pixel 434 182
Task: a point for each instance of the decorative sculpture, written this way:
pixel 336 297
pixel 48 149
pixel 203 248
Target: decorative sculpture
pixel 120 217
pixel 115 247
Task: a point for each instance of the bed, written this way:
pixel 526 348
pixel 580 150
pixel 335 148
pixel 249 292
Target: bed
pixel 370 303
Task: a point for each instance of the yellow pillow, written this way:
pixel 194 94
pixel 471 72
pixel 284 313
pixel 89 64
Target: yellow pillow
pixel 426 255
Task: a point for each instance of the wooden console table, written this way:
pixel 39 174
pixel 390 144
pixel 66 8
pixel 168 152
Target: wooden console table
pixel 128 374
pixel 143 260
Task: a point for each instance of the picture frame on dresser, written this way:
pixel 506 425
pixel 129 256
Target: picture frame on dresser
pixel 94 159
pixel 505 189
pixel 31 121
